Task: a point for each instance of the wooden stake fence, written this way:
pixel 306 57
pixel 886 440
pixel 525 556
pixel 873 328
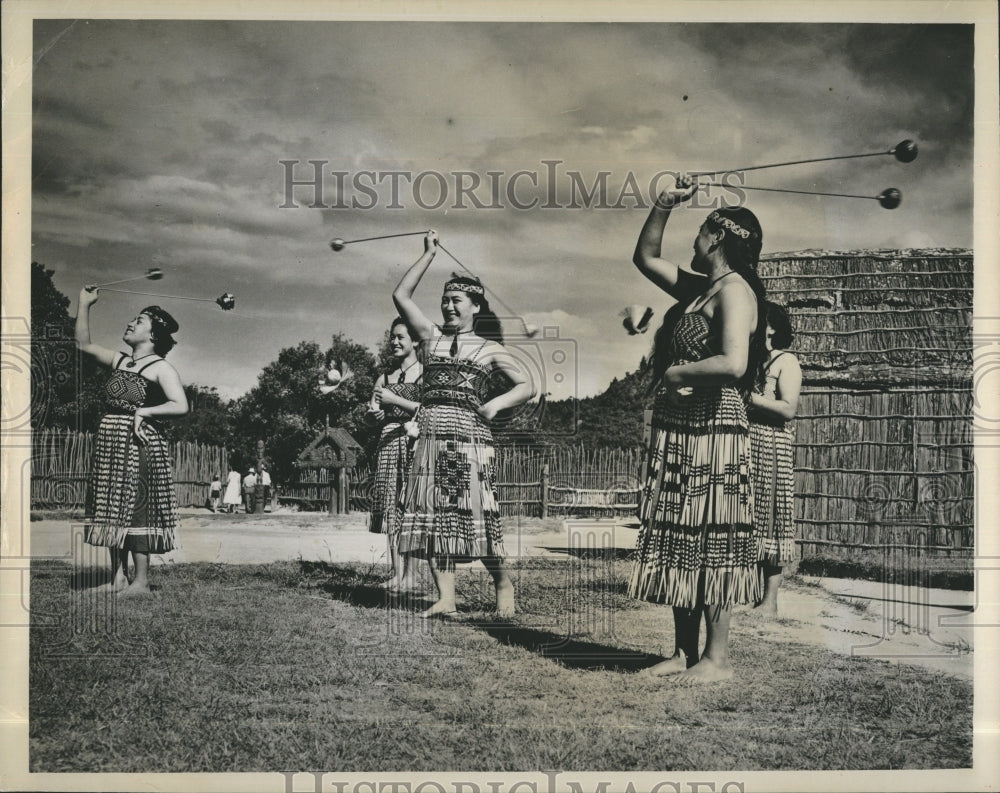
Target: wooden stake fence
pixel 61 464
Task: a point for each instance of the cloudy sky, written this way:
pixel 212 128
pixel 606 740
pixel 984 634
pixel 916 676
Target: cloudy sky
pixel 160 143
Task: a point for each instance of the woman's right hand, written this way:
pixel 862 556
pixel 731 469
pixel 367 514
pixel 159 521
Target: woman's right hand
pixel 684 187
pixel 430 241
pixel 88 296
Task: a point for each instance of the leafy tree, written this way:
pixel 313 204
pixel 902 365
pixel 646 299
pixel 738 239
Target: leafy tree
pixel 286 408
pixel 66 387
pixel 206 422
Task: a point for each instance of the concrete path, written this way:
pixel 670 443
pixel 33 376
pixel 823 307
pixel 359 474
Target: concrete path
pixel 931 628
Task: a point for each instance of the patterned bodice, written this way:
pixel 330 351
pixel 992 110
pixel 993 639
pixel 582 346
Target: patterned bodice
pixel 127 390
pixel 409 391
pixel 463 382
pixel 691 340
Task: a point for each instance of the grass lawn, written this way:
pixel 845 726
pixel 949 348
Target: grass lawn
pixel 299 666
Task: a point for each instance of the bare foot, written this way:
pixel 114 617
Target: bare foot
pixel 505 599
pixel 135 590
pixel 409 585
pixel 120 582
pixel 672 666
pixel 439 609
pixel 706 671
pixel 391 584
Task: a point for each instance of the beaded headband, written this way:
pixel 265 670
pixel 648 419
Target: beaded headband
pixel 459 286
pixel 161 318
pixel 732 225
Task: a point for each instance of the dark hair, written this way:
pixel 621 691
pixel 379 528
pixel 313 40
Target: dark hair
pixel 162 326
pixel 742 255
pixel 485 323
pixel 662 346
pixel 400 321
pixel 781 324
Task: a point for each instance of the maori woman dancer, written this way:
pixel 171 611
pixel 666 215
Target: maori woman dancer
pixel 772 408
pixel 131 505
pixel 395 400
pixel 696 549
pixel 451 513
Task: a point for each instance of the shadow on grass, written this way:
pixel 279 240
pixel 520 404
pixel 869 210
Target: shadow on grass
pixel 596 554
pixel 90 578
pixel 571 653
pixel 349 585
pixel 373 597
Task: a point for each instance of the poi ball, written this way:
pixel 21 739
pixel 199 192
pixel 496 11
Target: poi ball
pixel 334 376
pixel 154 274
pixel 890 198
pixel 226 301
pixel 905 151
pixel 337 244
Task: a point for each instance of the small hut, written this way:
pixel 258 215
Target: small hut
pixel 883 436
pixel 324 467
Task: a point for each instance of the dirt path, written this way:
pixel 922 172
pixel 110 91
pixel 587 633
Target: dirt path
pixel 900 624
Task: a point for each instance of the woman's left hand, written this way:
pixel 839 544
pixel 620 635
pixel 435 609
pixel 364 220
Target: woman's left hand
pixel 487 411
pixel 139 428
pixel 677 396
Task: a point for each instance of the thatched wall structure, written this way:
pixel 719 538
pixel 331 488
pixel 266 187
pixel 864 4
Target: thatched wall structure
pixel 883 452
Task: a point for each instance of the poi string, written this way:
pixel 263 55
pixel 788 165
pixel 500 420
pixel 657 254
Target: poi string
pixel 506 308
pixel 890 198
pixel 904 151
pixel 156 294
pixel 226 301
pixel 154 274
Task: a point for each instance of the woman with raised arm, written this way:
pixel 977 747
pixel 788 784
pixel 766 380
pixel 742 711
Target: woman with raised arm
pixel 696 549
pixel 394 401
pixel 772 407
pixel 451 513
pixel 131 504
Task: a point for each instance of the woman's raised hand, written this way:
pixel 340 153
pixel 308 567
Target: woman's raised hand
pixel 430 241
pixel 684 187
pixel 88 296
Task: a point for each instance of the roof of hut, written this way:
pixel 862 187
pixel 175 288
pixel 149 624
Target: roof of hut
pixel 877 318
pixel 318 452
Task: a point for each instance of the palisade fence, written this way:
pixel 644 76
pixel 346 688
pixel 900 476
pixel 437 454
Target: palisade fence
pixel 61 464
pixel 546 482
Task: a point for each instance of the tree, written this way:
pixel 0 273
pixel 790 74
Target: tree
pixel 67 388
pixel 206 422
pixel 286 408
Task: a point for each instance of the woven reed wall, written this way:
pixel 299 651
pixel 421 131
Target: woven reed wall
pixel 883 446
pixel 61 464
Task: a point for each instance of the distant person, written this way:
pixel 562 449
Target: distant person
pixel 249 490
pixel 132 505
pixel 451 513
pixel 394 401
pixel 234 493
pixel 696 549
pixel 265 481
pixel 215 492
pixel 772 408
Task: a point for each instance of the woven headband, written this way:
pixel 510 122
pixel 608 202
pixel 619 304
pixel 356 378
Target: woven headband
pixel 732 225
pixel 460 286
pixel 161 318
